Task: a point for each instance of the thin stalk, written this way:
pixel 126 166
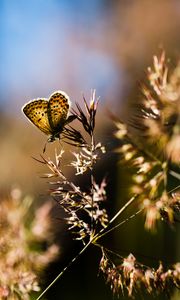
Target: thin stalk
pixel 102 231
pixel 62 272
pixel 165 170
pixel 95 238
pixel 122 209
pixel 174 174
pixel 119 224
pixel 92 185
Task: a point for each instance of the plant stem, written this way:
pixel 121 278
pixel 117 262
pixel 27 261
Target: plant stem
pixel 174 174
pixel 94 239
pixel 102 231
pixel 62 272
pixel 119 224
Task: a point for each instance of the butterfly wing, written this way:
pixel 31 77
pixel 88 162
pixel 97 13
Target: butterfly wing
pixel 58 108
pixel 37 112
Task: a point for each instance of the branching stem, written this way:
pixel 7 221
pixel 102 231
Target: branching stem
pixel 103 230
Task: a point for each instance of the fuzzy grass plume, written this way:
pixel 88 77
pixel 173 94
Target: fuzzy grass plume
pixel 23 257
pixel 155 156
pixel 152 164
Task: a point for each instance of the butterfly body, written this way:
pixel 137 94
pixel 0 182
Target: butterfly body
pixel 49 115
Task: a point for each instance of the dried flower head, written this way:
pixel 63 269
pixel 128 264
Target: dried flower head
pixel 161 107
pixel 84 207
pixel 130 275
pixel 160 112
pixel 21 256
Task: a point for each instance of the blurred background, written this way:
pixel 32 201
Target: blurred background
pixel 77 46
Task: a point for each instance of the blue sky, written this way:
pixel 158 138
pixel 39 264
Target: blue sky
pixel 40 52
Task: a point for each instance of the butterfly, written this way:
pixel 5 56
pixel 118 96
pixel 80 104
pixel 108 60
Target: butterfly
pixel 50 115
